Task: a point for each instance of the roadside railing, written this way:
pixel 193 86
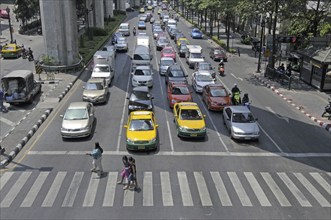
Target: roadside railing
pixel 280 76
pixel 57 69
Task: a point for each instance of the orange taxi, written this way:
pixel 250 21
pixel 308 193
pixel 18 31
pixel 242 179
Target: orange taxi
pixel 216 97
pixel 178 92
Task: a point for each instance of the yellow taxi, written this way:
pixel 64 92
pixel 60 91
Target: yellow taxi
pixel 141 131
pixel 159 11
pixel 149 8
pixel 180 41
pixel 189 120
pixel 142 10
pixel 11 50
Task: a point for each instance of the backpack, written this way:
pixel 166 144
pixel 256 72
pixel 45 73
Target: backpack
pixel 101 149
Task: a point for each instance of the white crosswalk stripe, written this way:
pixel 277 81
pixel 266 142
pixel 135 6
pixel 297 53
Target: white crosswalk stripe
pixel 166 189
pixel 302 187
pixel 294 190
pixel 244 199
pixel 73 189
pixel 313 191
pixel 15 189
pixel 32 194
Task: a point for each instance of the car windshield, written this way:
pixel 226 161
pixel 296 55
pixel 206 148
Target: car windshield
pixel 219 52
pixel 196 55
pixel 141 57
pixel 167 62
pixel 167 51
pixel 218 92
pixel 94 86
pixel 101 69
pixel 141 125
pixel 196 31
pixel 139 95
pixel 205 66
pixel 163 40
pixel 180 90
pixel 76 114
pixel 120 41
pixel 140 72
pixel 9 48
pixel 141 23
pixel 242 118
pixel 183 47
pixel 204 77
pixel 176 73
pixel 190 114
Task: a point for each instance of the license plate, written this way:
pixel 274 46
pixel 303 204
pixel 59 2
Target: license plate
pixel 141 147
pixel 194 135
pixel 247 138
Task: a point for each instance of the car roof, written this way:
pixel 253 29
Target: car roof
pixel 95 80
pixel 201 63
pixel 218 85
pixel 175 66
pixel 143 68
pixel 167 58
pixel 140 89
pixel 78 105
pixel 141 114
pixel 178 83
pixel 168 48
pixel 202 72
pixel 188 105
pixel 239 109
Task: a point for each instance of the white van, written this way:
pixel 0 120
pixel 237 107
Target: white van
pixel 103 71
pixel 172 23
pixel 143 40
pixel 194 55
pixel 124 29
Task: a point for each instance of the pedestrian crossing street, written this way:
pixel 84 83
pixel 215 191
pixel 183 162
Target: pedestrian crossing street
pixel 188 189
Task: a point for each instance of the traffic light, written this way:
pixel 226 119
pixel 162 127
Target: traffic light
pixel 287 39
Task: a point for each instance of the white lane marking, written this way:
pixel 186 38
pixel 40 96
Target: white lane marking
pixel 164 103
pixel 221 190
pixel 214 126
pixel 192 153
pixel 128 198
pixel 166 189
pixel 148 189
pixel 276 190
pixel 73 189
pixel 15 189
pixel 272 140
pixel 8 122
pixel 184 189
pixel 32 194
pixel 294 190
pixel 313 191
pixel 4 179
pixel 124 107
pixel 91 190
pixel 277 115
pixel 110 189
pixel 242 195
pixel 241 79
pixel 202 189
pixel 54 190
pixel 326 186
pixel 260 195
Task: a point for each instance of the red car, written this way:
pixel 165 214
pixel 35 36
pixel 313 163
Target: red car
pixel 168 52
pixel 216 97
pixel 178 92
pixel 218 53
pixel 4 14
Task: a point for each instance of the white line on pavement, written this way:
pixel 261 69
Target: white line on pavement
pixel 274 142
pixel 192 153
pixel 241 79
pixel 277 115
pixel 8 122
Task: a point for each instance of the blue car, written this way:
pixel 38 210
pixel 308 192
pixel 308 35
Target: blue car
pixel 141 25
pixel 196 33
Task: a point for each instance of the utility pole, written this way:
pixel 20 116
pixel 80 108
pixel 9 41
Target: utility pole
pixel 273 52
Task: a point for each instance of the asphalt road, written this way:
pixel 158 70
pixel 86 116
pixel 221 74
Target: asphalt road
pixel 286 174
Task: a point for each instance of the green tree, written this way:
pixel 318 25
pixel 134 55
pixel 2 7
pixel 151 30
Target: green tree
pixel 25 10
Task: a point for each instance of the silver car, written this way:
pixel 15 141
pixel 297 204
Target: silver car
pixel 200 79
pixel 95 91
pixel 142 76
pixel 162 42
pixel 78 120
pixel 207 67
pixel 240 123
pixel 165 62
pixel 122 44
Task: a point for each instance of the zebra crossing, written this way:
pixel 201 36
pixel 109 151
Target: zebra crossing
pixel 246 189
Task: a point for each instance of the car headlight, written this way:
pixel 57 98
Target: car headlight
pixel 203 129
pixel 150 107
pixel 129 141
pixel 214 103
pixel 182 128
pixel 134 80
pixel 153 140
pixel 199 86
pixel 101 97
pixel 173 101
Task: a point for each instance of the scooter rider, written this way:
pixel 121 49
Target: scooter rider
pixel 235 92
pixel 221 67
pixel 134 30
pixel 30 53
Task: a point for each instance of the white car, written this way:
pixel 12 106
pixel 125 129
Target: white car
pixel 200 79
pixel 142 76
pixel 122 44
pixel 103 71
pixel 240 123
pixel 78 120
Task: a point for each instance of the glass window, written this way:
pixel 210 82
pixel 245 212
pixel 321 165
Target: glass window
pixel 242 118
pixel 218 92
pixel 190 114
pixel 101 69
pixel 76 114
pixel 141 125
pixel 94 86
pixel 139 95
pixel 140 72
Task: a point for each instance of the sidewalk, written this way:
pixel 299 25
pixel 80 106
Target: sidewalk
pixel 306 99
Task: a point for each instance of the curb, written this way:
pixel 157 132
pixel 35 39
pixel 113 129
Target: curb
pixel 324 125
pixel 24 140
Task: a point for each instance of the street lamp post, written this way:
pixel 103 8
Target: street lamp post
pixel 10 28
pixel 89 32
pixel 260 50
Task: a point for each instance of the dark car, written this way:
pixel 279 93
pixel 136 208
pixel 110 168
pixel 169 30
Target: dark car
pixel 173 32
pixel 218 53
pixel 182 50
pixel 140 99
pixel 177 36
pixel 175 73
pixel 115 37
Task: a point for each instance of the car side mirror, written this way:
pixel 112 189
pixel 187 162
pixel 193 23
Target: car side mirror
pixel 125 126
pixel 156 126
pixel 61 116
pixel 204 116
pixel 83 87
pixel 152 97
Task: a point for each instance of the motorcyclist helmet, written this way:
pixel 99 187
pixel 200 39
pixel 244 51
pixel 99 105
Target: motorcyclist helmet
pixel 235 85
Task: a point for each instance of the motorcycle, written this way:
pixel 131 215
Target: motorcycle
pixel 236 100
pixel 24 54
pixel 327 110
pixel 134 32
pixel 30 57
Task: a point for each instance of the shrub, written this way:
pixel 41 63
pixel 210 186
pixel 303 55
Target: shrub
pixel 98 31
pixel 219 42
pixel 118 12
